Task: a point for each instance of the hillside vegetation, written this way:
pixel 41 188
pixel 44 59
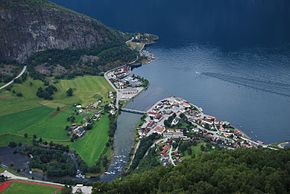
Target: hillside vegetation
pixel 239 171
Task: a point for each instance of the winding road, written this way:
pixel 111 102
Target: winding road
pixel 12 81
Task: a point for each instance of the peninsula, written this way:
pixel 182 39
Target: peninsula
pixel 174 126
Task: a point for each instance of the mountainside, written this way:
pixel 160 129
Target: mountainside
pixel 238 171
pixel 29 26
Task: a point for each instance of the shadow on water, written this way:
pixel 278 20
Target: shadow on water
pixel 9 157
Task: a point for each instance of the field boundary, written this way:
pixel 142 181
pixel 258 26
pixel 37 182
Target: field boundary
pixel 6 184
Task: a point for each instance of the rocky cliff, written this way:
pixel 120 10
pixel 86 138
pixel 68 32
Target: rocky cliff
pixel 29 26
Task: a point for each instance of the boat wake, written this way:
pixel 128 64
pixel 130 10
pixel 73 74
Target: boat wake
pixel 282 89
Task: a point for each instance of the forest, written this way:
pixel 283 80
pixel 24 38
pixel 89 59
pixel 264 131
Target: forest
pixel 223 171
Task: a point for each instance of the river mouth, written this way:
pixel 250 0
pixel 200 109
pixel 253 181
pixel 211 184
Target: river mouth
pixel 255 99
pixel 123 142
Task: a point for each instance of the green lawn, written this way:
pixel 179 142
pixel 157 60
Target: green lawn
pixel 94 142
pixel 15 122
pixel 51 126
pixel 196 150
pixel 86 89
pixel 22 188
pixel 34 116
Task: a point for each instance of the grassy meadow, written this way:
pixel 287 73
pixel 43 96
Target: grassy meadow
pixel 34 116
pixel 94 142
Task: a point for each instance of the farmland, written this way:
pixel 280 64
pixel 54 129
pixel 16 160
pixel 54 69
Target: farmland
pixel 92 145
pixel 34 116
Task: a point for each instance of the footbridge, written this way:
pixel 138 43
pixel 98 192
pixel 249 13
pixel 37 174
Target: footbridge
pixel 133 111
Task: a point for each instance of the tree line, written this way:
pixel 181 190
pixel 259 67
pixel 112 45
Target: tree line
pixel 223 171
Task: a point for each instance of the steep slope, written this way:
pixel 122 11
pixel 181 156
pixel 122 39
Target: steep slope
pixel 29 26
pixel 238 171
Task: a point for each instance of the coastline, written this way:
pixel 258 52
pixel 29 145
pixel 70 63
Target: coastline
pixel 132 65
pixel 231 137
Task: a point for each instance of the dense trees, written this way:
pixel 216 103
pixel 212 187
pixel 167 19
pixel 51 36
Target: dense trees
pixel 168 122
pixel 69 92
pixel 54 162
pixel 145 144
pixel 12 144
pixel 82 61
pixel 47 92
pixel 238 171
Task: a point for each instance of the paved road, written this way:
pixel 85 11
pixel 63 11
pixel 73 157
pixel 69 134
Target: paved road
pixel 12 81
pixel 135 150
pixel 154 144
pixel 170 156
pixel 282 145
pixel 113 86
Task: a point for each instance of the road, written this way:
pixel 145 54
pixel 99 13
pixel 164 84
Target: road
pixel 12 81
pixel 130 63
pixel 282 145
pixel 154 144
pixel 135 150
pixel 84 189
pixel 113 86
pixel 170 156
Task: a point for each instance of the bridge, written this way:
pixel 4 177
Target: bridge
pixel 133 111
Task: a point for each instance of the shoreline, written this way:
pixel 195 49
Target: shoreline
pixel 236 139
pixel 118 99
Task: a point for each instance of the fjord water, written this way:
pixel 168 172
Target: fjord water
pixel 230 57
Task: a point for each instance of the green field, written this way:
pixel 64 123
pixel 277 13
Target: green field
pixel 34 116
pixel 22 188
pixel 196 151
pixel 94 142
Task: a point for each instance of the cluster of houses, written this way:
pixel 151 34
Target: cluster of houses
pixel 122 78
pixel 90 113
pixel 161 112
pixel 78 130
pixel 167 118
pixel 167 154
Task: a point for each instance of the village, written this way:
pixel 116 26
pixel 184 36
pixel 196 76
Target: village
pixel 83 117
pixel 126 84
pixel 175 119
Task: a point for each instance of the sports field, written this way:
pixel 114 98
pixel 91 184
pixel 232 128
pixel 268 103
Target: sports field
pixel 26 187
pixel 34 116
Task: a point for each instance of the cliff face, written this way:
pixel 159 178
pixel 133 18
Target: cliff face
pixel 29 26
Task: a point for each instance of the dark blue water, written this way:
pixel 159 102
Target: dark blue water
pixel 231 57
pixel 227 23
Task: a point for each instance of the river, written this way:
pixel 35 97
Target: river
pixel 230 57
